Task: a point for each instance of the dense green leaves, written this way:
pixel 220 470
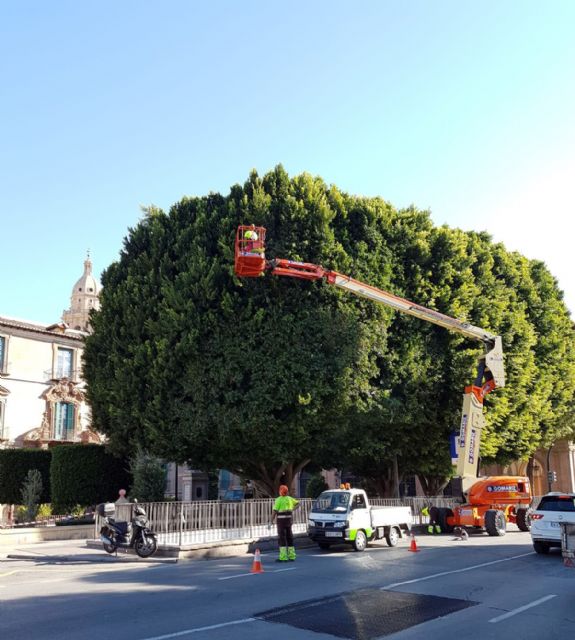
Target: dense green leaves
pixel 86 475
pixel 15 464
pixel 262 375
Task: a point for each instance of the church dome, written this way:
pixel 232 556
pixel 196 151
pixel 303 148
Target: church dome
pixel 87 284
pixel 84 298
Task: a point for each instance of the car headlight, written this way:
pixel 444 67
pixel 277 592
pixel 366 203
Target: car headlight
pixel 340 525
pixel 310 523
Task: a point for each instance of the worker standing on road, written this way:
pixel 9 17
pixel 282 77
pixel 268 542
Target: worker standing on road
pixel 284 506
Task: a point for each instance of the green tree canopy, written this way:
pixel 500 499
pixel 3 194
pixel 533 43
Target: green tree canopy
pixel 262 375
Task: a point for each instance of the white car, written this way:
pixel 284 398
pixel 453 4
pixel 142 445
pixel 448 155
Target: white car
pixel 554 508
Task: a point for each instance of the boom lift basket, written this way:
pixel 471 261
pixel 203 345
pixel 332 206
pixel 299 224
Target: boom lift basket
pixel 250 259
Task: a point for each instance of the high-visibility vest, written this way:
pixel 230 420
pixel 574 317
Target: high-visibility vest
pixel 285 505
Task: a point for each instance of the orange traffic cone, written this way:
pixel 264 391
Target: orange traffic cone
pixel 413 545
pixel 257 563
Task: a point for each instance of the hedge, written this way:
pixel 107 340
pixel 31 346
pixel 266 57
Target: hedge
pixel 86 475
pixel 14 467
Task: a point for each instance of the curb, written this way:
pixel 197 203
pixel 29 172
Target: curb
pixel 108 559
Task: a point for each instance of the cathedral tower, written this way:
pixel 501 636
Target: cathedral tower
pixel 84 298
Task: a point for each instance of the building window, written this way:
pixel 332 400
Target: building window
pixel 65 363
pixel 2 354
pixel 64 421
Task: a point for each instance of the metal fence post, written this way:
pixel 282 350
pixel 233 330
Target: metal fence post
pixel 181 523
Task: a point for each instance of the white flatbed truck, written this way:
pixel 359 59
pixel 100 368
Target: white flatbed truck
pixel 345 516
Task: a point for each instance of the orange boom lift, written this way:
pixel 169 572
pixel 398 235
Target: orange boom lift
pixel 490 502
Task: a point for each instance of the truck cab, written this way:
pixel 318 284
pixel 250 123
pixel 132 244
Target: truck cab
pixel 345 516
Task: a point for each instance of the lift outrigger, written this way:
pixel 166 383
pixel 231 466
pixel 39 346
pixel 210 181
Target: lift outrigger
pixel 492 501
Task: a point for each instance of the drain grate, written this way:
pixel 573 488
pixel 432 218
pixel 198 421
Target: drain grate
pixel 365 614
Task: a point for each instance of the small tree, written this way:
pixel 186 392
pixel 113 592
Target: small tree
pixel 31 492
pixel 149 478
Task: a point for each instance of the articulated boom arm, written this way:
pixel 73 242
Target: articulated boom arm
pixel 490 371
pixel 494 352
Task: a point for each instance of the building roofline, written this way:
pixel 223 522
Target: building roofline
pixel 59 328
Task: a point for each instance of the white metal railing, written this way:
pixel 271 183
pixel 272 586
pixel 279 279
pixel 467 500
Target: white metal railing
pixel 198 522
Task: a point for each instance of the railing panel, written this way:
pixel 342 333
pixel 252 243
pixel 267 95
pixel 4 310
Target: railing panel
pixel 184 523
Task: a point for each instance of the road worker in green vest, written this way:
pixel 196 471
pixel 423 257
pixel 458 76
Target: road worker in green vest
pixel 433 525
pixel 284 506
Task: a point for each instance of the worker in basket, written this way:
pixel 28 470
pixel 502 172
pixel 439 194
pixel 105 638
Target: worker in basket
pixel 252 246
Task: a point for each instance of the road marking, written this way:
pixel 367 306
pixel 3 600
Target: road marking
pixel 514 612
pixel 10 573
pixel 242 575
pixel 186 632
pixel 448 573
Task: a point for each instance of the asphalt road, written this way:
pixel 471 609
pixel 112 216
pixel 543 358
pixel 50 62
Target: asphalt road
pixel 484 588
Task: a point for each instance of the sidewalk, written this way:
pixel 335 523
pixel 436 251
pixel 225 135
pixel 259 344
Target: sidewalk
pixel 73 551
pixel 91 551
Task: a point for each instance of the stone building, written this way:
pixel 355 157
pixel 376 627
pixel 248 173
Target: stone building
pixel 552 469
pixel 42 397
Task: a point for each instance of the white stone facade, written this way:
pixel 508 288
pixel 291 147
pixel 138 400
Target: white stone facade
pixel 42 397
pixel 42 400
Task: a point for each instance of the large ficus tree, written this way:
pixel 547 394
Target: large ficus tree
pixel 194 364
pixel 262 375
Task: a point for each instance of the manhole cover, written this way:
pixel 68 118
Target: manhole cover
pixel 365 614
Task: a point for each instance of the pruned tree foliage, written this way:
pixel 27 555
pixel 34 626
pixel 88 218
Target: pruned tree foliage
pixel 261 376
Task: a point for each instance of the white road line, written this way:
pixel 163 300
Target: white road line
pixel 187 632
pixel 514 612
pixel 448 573
pixel 243 575
pixel 10 573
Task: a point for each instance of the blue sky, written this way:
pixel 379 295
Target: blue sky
pixel 463 108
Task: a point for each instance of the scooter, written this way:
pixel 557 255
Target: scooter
pixel 129 535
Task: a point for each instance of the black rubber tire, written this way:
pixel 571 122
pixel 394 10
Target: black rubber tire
pixel 392 538
pixel 324 545
pixel 541 547
pixel 146 547
pixel 495 522
pixel 109 548
pixel 445 513
pixel 523 519
pixel 360 542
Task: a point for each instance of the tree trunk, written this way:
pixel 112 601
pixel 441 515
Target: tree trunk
pixel 268 480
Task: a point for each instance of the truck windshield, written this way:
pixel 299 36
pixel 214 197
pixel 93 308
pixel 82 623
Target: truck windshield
pixel 331 502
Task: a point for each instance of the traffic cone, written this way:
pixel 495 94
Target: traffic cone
pixel 413 545
pixel 257 563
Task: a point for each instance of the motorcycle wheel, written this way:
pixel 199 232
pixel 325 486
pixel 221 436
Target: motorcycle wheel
pixel 146 546
pixel 109 548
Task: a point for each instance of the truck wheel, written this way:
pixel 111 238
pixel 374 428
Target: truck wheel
pixel 495 522
pixel 324 545
pixel 523 519
pixel 392 537
pixel 360 542
pixel 442 516
pixel 541 547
